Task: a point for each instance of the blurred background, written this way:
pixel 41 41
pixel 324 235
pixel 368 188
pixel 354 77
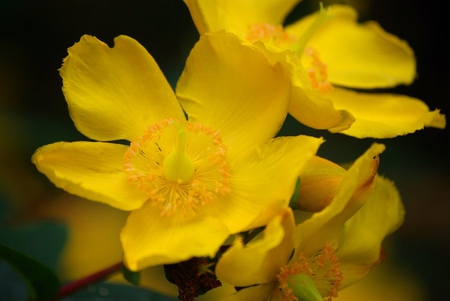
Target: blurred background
pixel 34 39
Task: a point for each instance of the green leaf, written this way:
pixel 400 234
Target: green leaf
pixel 130 276
pixel 43 241
pixel 41 282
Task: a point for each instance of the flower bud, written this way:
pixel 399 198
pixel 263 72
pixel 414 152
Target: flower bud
pixel 319 184
pixel 321 180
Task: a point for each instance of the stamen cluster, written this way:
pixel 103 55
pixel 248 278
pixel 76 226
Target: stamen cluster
pixel 144 162
pixel 322 268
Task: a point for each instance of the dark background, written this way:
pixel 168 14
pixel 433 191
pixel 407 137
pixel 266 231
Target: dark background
pixel 35 35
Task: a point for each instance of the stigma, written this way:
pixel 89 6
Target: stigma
pixel 180 165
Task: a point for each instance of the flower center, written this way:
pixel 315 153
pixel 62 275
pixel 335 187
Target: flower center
pixel 271 34
pixel 316 278
pixel 179 165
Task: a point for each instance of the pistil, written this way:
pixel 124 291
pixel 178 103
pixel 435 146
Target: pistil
pixel 301 43
pixel 178 167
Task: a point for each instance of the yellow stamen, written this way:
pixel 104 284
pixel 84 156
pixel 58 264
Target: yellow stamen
pixel 178 166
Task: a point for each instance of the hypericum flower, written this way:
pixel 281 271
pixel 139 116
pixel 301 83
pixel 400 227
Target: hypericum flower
pixel 336 52
pixel 189 183
pixel 326 251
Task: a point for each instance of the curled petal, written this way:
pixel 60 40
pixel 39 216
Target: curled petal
pixel 382 214
pixel 324 227
pixel 317 111
pixel 308 105
pixel 260 260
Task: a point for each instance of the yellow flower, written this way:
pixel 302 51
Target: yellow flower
pixel 326 251
pixel 188 183
pixel 336 52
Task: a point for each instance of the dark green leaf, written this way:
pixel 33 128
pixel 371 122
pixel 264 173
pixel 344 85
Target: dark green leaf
pixel 41 282
pixel 117 292
pixel 43 241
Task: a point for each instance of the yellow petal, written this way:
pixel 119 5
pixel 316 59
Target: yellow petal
pixel 308 105
pixel 260 260
pixel 150 239
pixel 257 292
pixel 325 226
pixel 92 170
pixel 235 16
pixel 230 86
pixel 312 109
pixel 385 115
pixel 114 93
pixel 267 175
pixel 358 55
pixel 382 214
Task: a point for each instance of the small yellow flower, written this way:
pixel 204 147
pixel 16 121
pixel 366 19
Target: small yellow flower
pixel 313 257
pixel 336 52
pixel 188 183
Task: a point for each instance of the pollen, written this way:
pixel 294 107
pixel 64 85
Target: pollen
pixel 313 278
pixel 317 72
pixel 274 35
pixel 180 165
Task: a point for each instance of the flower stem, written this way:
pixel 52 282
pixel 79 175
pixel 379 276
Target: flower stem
pixel 73 287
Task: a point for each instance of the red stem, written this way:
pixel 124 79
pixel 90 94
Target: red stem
pixel 71 288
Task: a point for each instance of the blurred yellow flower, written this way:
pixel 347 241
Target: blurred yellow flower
pixel 318 254
pixel 336 52
pixel 188 183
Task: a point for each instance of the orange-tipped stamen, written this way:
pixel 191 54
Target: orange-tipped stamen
pixel 272 34
pixel 313 278
pixel 317 72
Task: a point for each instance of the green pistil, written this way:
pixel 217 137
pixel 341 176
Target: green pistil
pixel 178 167
pixel 301 43
pixel 303 288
